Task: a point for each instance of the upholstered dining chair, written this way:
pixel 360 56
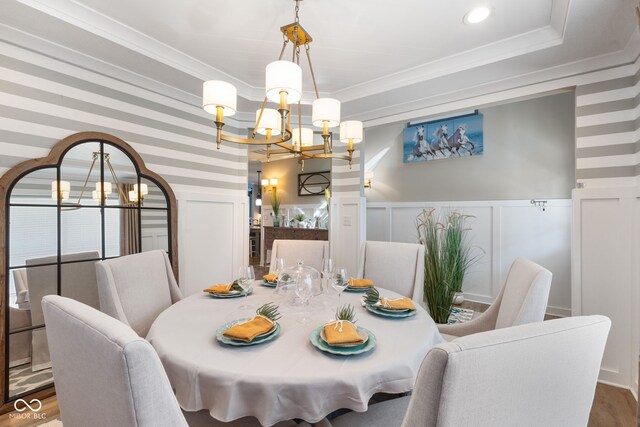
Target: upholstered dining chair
pixel 311 252
pixel 135 289
pixel 106 375
pixel 21 286
pixel 395 266
pixel 522 299
pixel 538 374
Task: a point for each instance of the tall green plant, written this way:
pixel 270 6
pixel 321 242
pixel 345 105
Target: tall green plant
pixel 447 258
pixel 275 202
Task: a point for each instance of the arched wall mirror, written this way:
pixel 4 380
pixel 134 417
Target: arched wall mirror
pixel 91 199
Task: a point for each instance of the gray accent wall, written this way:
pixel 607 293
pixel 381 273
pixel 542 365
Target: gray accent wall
pixel 529 152
pixel 286 171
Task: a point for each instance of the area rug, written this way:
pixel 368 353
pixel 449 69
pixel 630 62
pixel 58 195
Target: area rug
pixel 460 315
pixel 22 379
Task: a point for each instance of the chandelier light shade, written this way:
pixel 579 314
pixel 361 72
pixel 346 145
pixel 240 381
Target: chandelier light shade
pixel 283 76
pixel 302 137
pixel 144 189
pixel 63 192
pixel 107 188
pixel 269 122
pixel 351 131
pixel 326 110
pixel 216 93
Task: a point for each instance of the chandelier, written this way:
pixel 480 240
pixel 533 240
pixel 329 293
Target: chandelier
pixel 102 189
pixel 283 85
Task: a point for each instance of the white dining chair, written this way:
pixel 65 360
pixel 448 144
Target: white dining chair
pixel 20 284
pixel 78 281
pixel 311 252
pixel 395 266
pixel 538 374
pixel 522 299
pixel 135 289
pixel 106 375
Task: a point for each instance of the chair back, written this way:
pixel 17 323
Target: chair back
pixel 78 281
pixel 538 374
pixel 311 252
pixel 135 289
pixel 105 374
pixel 395 266
pixel 525 294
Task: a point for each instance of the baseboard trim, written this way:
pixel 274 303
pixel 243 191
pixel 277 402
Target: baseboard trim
pixel 551 310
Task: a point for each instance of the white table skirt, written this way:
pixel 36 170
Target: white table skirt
pixel 285 378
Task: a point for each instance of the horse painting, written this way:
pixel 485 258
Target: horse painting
pixel 434 140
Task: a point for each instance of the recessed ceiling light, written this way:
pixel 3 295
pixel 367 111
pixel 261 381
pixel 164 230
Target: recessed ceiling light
pixel 477 15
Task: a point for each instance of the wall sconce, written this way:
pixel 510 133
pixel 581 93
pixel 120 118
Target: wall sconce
pixel 270 184
pixel 368 177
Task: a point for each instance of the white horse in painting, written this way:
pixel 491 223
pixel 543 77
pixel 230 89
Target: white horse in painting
pixel 421 147
pixel 459 140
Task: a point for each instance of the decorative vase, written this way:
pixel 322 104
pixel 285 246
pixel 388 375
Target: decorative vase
pixel 276 221
pixel 458 298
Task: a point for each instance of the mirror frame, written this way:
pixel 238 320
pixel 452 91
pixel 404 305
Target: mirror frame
pixel 54 159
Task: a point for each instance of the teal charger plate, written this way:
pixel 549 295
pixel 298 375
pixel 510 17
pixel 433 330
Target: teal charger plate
pixel 264 338
pixel 269 284
pixel 319 343
pixel 223 296
pixel 386 313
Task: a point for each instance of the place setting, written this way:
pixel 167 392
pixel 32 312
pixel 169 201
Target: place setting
pixel 341 336
pixel 259 329
pixel 398 308
pixel 242 286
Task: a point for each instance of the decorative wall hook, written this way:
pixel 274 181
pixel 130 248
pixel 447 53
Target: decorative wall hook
pixel 542 204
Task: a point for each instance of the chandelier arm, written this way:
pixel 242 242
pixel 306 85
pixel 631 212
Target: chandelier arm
pixel 116 181
pixel 264 101
pixel 252 141
pixel 84 186
pixel 313 76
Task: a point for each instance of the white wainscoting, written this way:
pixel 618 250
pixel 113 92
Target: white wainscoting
pixel 347 231
pixel 606 273
pixel 501 231
pixel 213 238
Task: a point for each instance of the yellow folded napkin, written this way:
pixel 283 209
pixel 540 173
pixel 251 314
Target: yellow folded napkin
pixel 341 332
pixel 403 303
pixel 248 330
pixel 219 289
pixel 270 277
pixel 360 283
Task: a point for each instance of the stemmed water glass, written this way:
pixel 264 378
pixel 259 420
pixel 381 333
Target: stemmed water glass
pixel 246 277
pixel 340 281
pixel 327 270
pixel 304 291
pixel 279 266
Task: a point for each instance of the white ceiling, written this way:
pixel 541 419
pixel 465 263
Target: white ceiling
pixel 363 50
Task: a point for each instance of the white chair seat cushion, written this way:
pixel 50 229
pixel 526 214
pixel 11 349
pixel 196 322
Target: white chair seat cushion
pixel 389 413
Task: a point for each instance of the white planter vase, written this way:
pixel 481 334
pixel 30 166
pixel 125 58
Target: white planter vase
pixel 458 298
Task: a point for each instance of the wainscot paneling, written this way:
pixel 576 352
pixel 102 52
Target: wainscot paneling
pixel 500 232
pixel 605 273
pixel 214 239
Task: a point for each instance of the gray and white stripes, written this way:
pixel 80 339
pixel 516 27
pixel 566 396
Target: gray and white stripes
pixel 43 100
pixel 608 131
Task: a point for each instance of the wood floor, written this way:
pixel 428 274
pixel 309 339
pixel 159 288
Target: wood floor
pixel 612 406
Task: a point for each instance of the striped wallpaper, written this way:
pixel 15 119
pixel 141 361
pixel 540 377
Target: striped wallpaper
pixel 347 181
pixel 608 131
pixel 43 100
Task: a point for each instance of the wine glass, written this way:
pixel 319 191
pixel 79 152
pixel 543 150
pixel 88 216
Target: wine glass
pixel 340 281
pixel 304 291
pixel 327 270
pixel 246 277
pixel 279 266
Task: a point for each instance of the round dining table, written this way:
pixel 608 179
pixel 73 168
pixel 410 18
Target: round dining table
pixel 287 377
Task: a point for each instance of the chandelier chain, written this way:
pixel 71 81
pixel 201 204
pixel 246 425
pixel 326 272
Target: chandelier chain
pixel 297 11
